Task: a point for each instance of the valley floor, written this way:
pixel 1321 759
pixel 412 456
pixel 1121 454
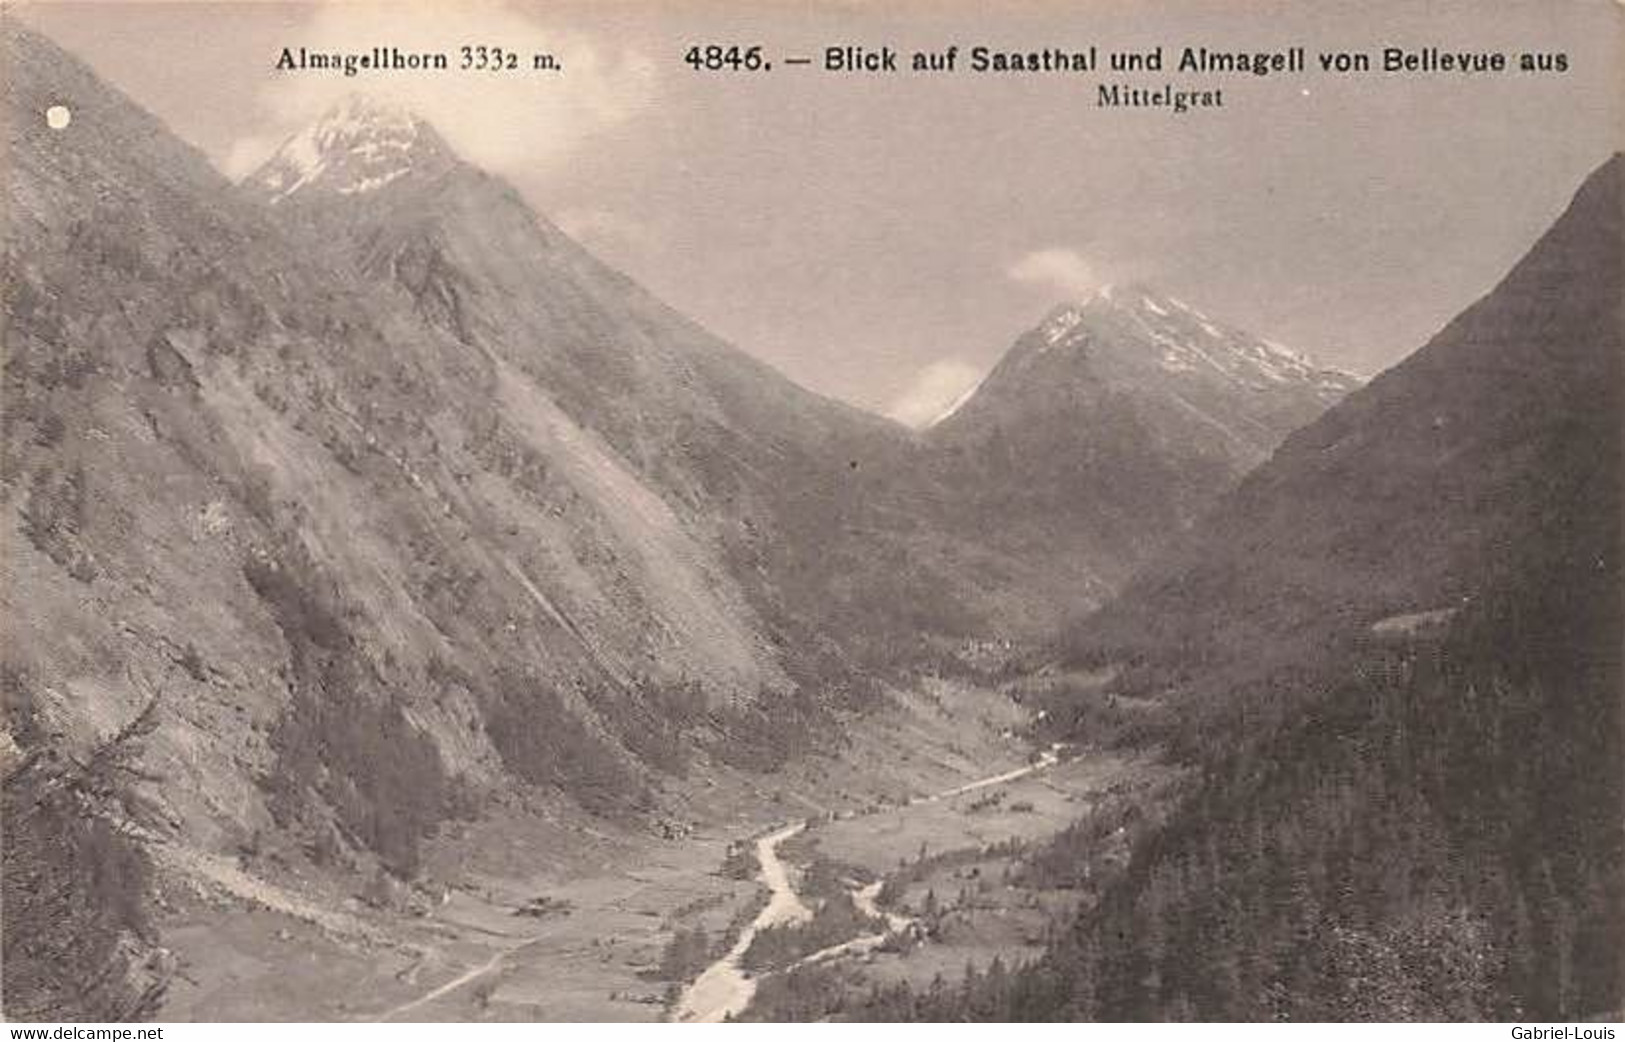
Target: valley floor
pixel 545 916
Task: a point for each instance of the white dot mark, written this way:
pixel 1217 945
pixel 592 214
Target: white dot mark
pixel 58 116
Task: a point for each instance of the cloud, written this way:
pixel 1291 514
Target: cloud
pixel 937 389
pixel 1058 269
pixel 508 122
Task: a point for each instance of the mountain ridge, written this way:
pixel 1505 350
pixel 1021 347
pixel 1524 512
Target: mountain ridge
pixel 1113 424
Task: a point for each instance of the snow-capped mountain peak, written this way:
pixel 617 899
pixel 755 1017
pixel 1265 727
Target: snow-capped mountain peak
pixel 358 146
pixel 1060 323
pixel 1140 326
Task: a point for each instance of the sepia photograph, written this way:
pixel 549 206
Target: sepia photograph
pixel 699 511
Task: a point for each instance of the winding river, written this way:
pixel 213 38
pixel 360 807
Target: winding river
pixel 725 990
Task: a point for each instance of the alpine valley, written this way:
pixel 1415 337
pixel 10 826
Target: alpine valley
pixel 408 615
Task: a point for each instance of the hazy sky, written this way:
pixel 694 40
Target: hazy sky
pixel 884 239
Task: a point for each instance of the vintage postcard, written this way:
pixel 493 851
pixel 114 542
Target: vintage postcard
pixel 711 510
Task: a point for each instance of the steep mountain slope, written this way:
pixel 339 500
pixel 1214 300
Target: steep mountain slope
pixel 1394 654
pixel 352 478
pixel 800 494
pixel 347 573
pixel 1115 423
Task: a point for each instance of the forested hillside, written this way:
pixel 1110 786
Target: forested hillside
pixel 1438 838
